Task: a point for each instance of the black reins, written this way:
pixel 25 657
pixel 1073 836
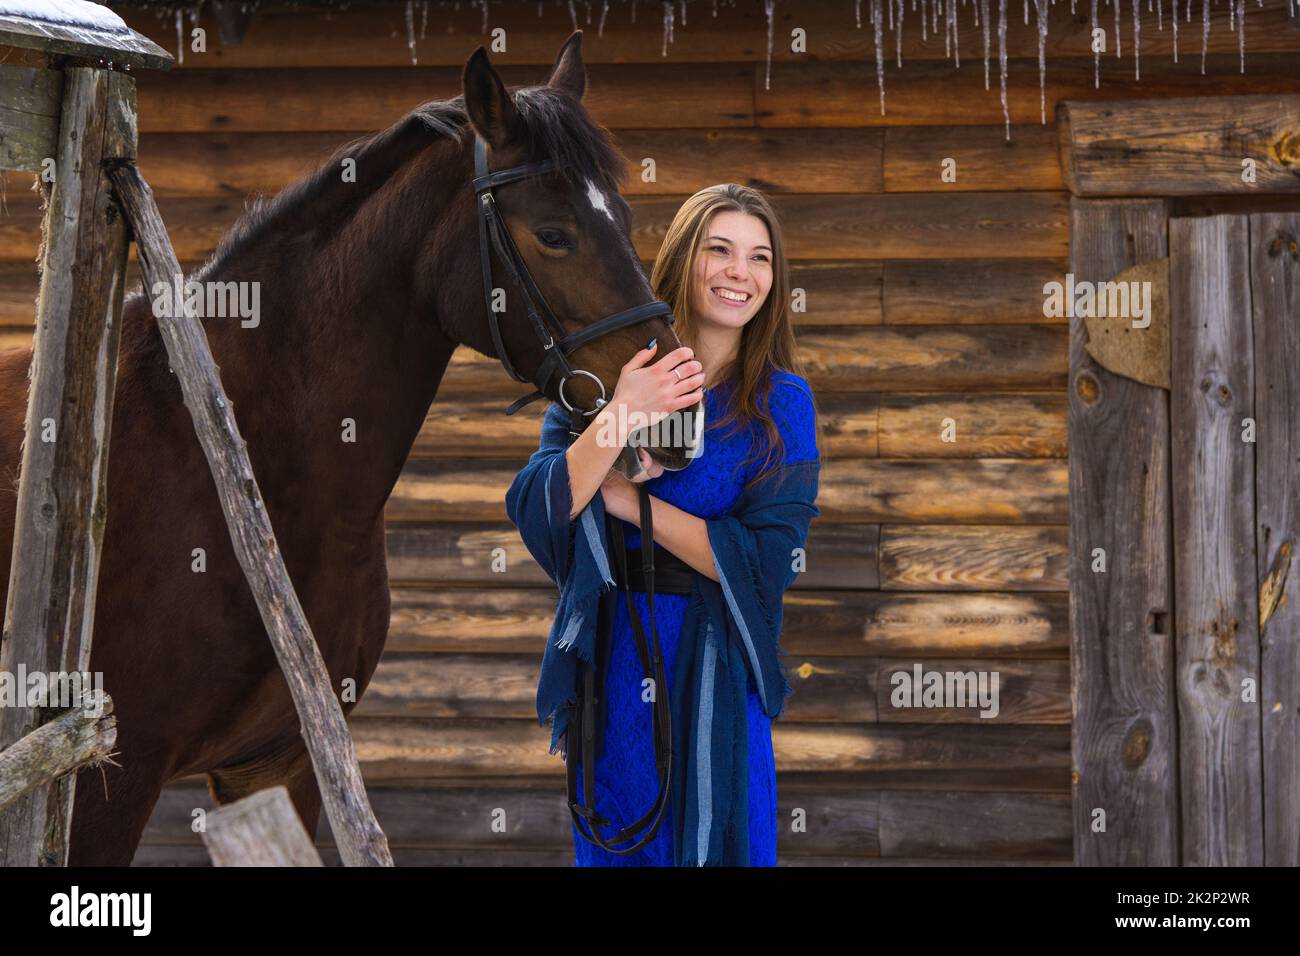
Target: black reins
pixel 493 234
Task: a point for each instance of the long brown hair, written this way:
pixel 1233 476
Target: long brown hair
pixel 767 342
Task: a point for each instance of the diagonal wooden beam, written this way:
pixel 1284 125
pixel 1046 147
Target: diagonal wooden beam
pixel 361 842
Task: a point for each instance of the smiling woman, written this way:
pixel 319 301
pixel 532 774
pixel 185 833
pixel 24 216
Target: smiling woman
pixel 728 532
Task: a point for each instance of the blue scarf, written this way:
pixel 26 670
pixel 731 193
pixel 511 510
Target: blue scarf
pixel 731 630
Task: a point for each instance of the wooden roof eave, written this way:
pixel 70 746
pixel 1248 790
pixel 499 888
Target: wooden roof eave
pixel 85 42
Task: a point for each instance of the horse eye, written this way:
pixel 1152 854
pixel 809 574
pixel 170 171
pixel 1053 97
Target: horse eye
pixel 553 238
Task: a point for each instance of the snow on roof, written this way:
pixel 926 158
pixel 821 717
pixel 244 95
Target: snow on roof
pixel 70 13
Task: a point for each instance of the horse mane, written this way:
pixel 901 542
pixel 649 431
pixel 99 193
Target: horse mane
pixel 557 130
pixel 556 127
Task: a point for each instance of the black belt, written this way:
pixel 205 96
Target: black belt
pixel 672 575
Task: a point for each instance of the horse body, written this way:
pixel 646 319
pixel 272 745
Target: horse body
pixel 194 678
pixel 366 289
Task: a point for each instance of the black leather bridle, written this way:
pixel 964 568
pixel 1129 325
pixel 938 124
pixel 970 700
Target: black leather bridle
pixel 492 231
pixel 493 234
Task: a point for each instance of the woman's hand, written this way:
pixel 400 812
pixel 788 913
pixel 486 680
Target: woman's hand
pixel 674 382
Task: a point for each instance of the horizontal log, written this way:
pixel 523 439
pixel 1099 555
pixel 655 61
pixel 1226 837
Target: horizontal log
pixel 823 94
pixel 916 358
pixel 1030 425
pixel 855 425
pixel 865 490
pixel 983 158
pixel 393 749
pixel 842 822
pixel 276 99
pixel 840 555
pixel 976 558
pixel 15 339
pixel 821 226
pixel 776 161
pixel 878 358
pixel 913 824
pixel 1181 147
pixel 974 292
pixel 836 292
pixel 376 35
pixel 826 689
pixel 816 623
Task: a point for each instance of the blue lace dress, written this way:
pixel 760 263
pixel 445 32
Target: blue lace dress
pixel 626 782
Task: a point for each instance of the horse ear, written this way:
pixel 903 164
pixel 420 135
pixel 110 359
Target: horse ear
pixel 569 74
pixel 490 108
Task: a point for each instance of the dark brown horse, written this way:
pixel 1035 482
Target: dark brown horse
pixel 366 287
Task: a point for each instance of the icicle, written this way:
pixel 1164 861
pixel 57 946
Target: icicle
pixel 1040 8
pixel 668 25
pixel 1002 61
pixel 604 12
pixel 890 8
pixel 1232 17
pixel 1189 11
pixel 1137 40
pixel 975 8
pixel 410 29
pixel 952 18
pixel 539 10
pixel 898 37
pixel 1241 32
pixel 573 15
pixel 880 50
pixel 485 17
pixel 1173 19
pixel 1118 40
pixel 1205 30
pixel 424 16
pixel 934 13
pixel 1160 15
pixel 715 7
pixel 922 19
pixel 947 33
pixel 857 12
pixel 984 7
pixel 180 37
pixel 769 9
pixel 683 14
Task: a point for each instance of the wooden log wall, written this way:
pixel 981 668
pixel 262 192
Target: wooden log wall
pixel 924 304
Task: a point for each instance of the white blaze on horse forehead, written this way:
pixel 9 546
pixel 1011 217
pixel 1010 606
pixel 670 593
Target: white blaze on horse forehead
pixel 599 201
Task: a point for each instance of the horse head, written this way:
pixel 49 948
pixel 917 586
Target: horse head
pixel 572 231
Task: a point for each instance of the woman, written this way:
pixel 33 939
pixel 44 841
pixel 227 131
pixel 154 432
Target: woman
pixel 723 271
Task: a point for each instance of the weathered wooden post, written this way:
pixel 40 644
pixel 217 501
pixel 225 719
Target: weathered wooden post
pixel 64 114
pixel 262 829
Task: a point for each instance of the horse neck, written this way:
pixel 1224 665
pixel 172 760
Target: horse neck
pixel 332 387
